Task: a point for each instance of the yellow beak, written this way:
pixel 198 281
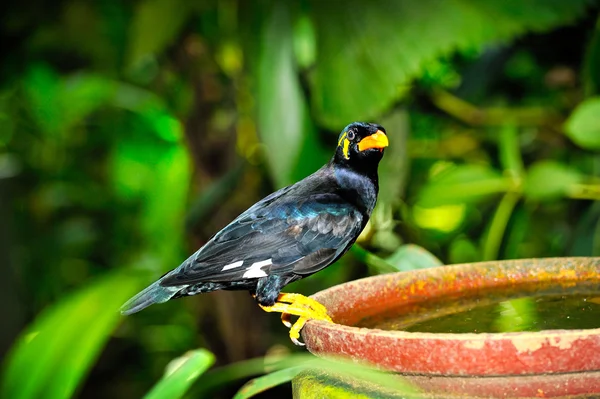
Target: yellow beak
pixel 376 140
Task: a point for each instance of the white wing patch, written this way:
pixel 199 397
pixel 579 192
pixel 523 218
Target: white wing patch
pixel 232 265
pixel 255 270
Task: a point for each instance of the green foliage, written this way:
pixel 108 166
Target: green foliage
pixel 181 374
pixel 462 184
pixel 223 376
pixel 59 104
pixel 375 263
pixel 376 63
pixel 283 119
pixel 591 69
pixel 266 382
pixel 550 180
pixel 412 257
pixel 55 353
pixel 335 367
pixel 131 132
pixel 155 25
pixel 583 126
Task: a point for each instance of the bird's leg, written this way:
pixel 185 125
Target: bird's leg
pixel 298 305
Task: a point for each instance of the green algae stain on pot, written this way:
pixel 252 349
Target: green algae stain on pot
pixel 319 384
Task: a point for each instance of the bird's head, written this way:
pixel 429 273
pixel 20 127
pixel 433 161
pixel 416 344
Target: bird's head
pixel 360 146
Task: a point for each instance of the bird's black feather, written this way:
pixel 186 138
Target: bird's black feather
pixel 285 230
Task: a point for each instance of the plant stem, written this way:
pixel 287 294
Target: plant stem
pixel 497 228
pixel 585 191
pixel 468 113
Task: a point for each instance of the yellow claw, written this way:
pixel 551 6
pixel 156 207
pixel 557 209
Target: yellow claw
pixel 297 305
pixel 286 319
pixel 295 330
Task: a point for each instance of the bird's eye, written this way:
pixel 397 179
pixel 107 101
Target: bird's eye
pixel 350 135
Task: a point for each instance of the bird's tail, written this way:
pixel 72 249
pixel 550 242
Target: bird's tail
pixel 155 293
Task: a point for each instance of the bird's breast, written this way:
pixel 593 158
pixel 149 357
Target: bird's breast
pixel 357 189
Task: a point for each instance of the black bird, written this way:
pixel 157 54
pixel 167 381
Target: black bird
pixel 286 236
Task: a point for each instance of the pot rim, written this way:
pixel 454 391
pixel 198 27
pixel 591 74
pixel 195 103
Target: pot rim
pixel 362 296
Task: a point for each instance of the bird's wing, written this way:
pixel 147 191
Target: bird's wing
pixel 282 235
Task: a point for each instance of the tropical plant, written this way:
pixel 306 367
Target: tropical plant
pixel 131 132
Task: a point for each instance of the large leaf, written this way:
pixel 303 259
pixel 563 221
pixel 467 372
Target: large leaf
pixel 583 126
pixel 366 51
pixel 181 374
pixel 54 354
pixel 284 122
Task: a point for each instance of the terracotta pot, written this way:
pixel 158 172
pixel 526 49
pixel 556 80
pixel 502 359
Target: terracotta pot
pixel 552 363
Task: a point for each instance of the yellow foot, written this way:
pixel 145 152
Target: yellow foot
pixel 297 305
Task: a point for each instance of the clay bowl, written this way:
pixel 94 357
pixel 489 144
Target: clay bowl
pixel 550 363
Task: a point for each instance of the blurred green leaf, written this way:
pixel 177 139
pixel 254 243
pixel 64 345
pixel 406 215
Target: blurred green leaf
pixel 412 257
pixel 548 180
pixel 181 374
pixel 155 26
pixel 304 41
pixel 394 166
pixel 583 125
pixel 462 184
pixel 165 204
pixel 261 384
pixel 339 367
pixel 225 375
pixel 150 108
pixel 42 87
pixel 444 218
pixel 59 103
pixel 53 355
pixel 284 122
pixel 82 94
pixel 360 71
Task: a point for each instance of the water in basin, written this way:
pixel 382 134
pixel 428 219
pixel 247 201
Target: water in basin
pixel 532 313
